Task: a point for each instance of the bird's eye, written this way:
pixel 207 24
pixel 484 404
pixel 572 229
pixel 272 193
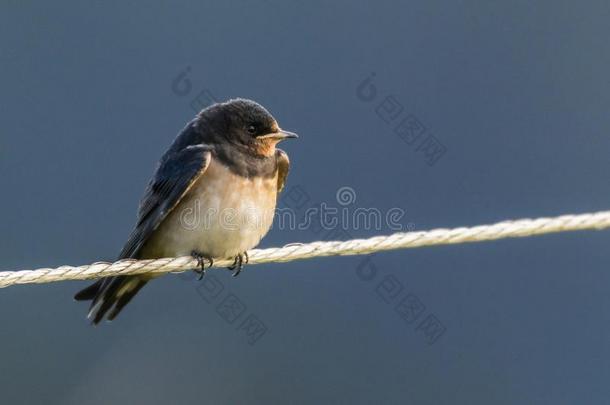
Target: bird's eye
pixel 251 129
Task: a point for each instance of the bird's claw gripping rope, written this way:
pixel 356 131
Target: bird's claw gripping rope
pixel 201 259
pixel 240 260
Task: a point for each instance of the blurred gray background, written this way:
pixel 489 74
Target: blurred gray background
pixel 517 94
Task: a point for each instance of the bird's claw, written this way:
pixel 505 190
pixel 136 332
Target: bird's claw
pixel 201 259
pixel 240 260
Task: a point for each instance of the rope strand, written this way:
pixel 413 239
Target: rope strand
pixel 297 251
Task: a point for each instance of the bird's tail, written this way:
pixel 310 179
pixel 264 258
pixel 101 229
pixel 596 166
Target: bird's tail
pixel 110 295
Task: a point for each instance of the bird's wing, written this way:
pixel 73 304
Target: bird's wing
pixel 176 173
pixel 283 166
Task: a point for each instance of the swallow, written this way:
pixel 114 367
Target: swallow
pixel 212 196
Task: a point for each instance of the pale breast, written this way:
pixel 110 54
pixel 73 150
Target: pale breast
pixel 221 216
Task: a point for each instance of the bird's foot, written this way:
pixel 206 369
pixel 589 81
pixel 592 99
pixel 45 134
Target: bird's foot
pixel 201 261
pixel 240 260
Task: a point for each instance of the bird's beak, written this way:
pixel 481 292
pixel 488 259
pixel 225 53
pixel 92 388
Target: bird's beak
pixel 279 135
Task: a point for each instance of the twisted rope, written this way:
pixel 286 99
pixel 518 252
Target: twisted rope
pixel 506 229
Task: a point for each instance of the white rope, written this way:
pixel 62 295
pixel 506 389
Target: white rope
pixel 507 229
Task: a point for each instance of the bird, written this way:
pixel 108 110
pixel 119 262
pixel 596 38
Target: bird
pixel 212 196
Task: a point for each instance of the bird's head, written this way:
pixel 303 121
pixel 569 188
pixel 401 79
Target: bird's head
pixel 246 124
